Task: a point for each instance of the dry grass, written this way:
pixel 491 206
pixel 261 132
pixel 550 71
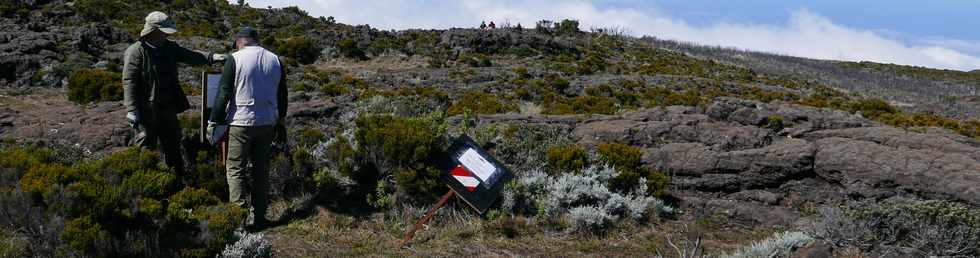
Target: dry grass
pixel 456 232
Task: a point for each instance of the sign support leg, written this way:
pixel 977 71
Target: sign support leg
pixel 428 215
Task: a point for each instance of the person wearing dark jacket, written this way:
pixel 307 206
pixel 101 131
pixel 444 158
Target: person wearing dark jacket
pixel 151 92
pixel 252 101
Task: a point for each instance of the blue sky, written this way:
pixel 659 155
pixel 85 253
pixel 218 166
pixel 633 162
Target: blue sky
pixel 936 33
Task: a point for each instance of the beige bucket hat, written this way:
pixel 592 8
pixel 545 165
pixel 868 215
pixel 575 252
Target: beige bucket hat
pixel 158 21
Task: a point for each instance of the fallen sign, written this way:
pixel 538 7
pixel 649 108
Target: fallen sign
pixel 472 174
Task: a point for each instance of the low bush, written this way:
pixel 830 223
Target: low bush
pixel 183 203
pixel 774 123
pixel 478 102
pixel 936 228
pixel 583 199
pixel 593 62
pixel 581 105
pixel 627 162
pixel 348 48
pixel 94 85
pixel 778 245
pixel 872 108
pixel 567 158
pixel 475 60
pixel 299 48
pixel 249 245
pixel 398 148
pixel 121 205
pixel 567 27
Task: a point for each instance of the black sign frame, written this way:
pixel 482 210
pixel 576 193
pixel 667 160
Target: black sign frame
pixel 483 197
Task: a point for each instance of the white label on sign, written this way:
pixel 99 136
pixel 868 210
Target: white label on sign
pixel 213 80
pixel 478 165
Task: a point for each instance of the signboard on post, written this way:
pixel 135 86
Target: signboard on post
pixel 209 82
pixel 473 174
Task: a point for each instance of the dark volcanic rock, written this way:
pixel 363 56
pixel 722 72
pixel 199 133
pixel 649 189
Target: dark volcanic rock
pixel 724 150
pixel 870 169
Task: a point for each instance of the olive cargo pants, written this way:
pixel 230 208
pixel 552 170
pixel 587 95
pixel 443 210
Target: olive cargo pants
pixel 249 144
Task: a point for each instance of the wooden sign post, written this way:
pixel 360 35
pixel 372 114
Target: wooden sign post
pixel 472 174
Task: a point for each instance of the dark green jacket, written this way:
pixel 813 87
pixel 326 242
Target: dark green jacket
pixel 150 77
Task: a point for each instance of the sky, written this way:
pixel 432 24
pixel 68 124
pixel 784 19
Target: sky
pixel 941 34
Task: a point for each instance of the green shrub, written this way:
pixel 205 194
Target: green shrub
pixel 567 27
pixel 478 102
pixel 872 108
pixel 130 161
pixel 627 160
pixel 774 123
pixel 567 158
pixel 664 97
pixel 333 89
pixel 150 207
pixel 14 9
pixel 41 178
pixel 522 73
pixel 184 202
pixel 86 235
pixel 309 136
pixel 755 93
pixel 556 82
pixel 620 155
pixel 592 63
pixel 343 157
pixel 153 184
pixel 594 105
pixel 13 245
pixel 299 48
pixel 398 146
pixel 93 85
pixel 222 221
pixel 99 10
pixel 475 60
pixel 21 159
pixel 348 48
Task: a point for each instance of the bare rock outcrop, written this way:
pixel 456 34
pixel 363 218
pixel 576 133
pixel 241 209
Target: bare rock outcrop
pixel 725 149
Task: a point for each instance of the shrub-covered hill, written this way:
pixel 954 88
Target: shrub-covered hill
pixel 622 147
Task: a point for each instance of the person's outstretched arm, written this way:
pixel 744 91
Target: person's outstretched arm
pixel 192 57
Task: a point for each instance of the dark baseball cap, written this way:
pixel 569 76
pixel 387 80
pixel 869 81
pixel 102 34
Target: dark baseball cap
pixel 247 32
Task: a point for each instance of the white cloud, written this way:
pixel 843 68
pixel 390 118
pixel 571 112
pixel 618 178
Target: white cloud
pixel 805 34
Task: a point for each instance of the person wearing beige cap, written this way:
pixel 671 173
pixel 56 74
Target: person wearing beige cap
pixel 151 92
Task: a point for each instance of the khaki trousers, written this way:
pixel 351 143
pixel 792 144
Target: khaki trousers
pixel 249 144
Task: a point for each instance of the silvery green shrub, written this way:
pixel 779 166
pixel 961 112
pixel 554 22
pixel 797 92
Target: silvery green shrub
pixel 583 198
pixel 778 245
pixel 248 246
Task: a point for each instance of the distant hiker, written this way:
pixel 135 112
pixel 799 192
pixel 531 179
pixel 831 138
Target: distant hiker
pixel 492 25
pixel 252 99
pixel 483 25
pixel 152 95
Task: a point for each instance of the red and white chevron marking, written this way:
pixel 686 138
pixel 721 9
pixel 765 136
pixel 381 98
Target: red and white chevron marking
pixel 465 177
